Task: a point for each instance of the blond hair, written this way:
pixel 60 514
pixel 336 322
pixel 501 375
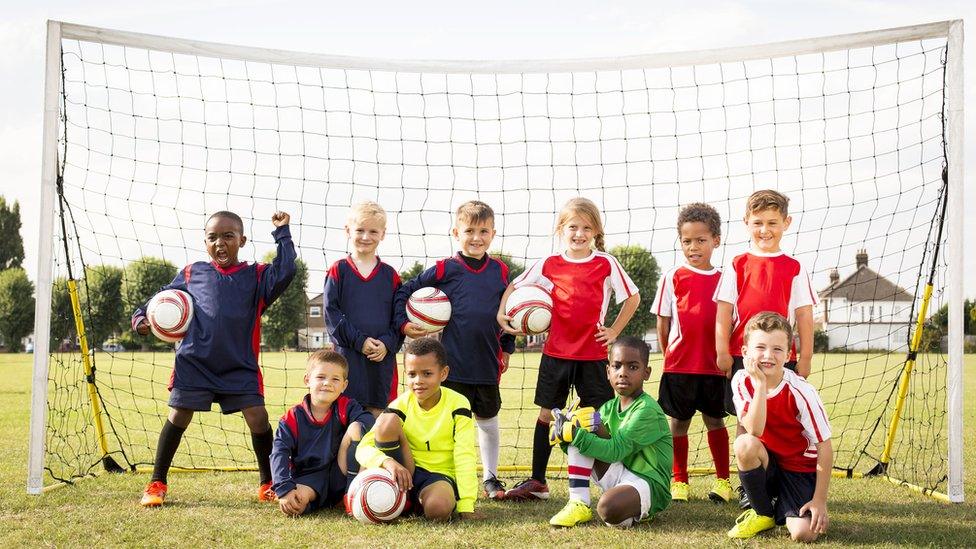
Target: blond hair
pixel 768 322
pixel 327 356
pixel 767 199
pixel 585 208
pixel 474 212
pixel 367 209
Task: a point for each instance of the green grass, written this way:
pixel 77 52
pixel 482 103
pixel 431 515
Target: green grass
pixel 218 508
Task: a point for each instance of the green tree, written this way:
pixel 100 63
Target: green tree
pixel 412 273
pixel 283 319
pixel 142 279
pixel 514 267
pixel 11 245
pixel 643 270
pixel 101 304
pixel 17 304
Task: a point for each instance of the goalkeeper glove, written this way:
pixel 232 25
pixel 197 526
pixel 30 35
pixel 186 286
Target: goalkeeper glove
pixel 561 429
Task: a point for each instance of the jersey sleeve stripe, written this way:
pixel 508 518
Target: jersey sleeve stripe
pixel 817 424
pixel 615 266
pixel 461 412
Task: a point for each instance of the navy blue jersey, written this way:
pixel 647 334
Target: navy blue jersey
pixel 472 338
pixel 304 446
pixel 357 307
pixel 219 352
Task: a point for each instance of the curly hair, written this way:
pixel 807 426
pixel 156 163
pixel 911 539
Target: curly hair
pixel 699 212
pixel 425 346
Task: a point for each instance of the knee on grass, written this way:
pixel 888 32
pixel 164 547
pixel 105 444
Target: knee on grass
pixel 438 507
pixel 800 530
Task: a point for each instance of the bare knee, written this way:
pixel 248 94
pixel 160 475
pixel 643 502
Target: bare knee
pixel 712 423
pixel 747 448
pixel 388 428
pixel 355 431
pixel 438 508
pixel 180 417
pixel 610 511
pixel 545 416
pixel 804 535
pixel 256 418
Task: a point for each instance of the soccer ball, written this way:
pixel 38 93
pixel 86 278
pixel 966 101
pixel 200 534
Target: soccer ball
pixel 429 308
pixel 530 307
pixel 374 497
pixel 169 314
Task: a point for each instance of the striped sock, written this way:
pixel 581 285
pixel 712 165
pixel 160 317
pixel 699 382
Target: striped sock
pixel 580 467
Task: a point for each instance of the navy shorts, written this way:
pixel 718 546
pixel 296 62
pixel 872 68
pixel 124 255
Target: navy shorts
pixel 681 395
pixel 485 400
pixel 790 490
pixel 423 478
pixel 737 365
pixel 556 375
pixel 201 400
pixel 329 485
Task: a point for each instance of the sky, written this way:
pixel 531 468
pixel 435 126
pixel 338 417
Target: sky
pixel 430 30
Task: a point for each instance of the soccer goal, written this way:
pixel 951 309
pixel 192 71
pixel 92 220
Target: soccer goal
pixel 144 136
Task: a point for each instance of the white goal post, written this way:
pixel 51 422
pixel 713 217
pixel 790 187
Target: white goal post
pixel 951 31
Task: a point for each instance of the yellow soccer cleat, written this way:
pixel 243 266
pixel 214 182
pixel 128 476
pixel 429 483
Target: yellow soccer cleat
pixel 749 524
pixel 574 513
pixel 679 491
pixel 721 491
pixel 154 495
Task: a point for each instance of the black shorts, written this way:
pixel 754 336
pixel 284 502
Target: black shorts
pixel 485 400
pixel 737 365
pixel 556 375
pixel 681 395
pixel 791 490
pixel 201 400
pixel 423 478
pixel 329 485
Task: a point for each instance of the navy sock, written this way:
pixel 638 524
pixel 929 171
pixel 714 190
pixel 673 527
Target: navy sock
pixel 540 451
pixel 754 483
pixel 262 444
pixel 352 466
pixel 391 449
pixel 169 442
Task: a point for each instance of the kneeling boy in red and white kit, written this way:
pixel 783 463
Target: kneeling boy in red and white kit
pixel 785 452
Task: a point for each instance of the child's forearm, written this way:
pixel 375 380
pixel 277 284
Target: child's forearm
pixel 663 331
pixel 804 328
pixel 626 313
pixel 825 464
pixel 754 422
pixel 723 327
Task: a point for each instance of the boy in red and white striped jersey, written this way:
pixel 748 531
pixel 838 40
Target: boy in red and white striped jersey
pixel 785 452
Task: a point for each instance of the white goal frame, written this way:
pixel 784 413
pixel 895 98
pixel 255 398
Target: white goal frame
pixel 952 30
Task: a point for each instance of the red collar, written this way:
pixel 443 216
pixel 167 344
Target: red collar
pixel 230 270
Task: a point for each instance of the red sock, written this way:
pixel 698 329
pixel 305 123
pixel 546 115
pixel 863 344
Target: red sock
pixel 680 468
pixel 718 443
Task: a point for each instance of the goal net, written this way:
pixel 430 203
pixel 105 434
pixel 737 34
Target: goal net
pixel 146 136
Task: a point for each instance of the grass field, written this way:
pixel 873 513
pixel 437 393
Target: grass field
pixel 218 508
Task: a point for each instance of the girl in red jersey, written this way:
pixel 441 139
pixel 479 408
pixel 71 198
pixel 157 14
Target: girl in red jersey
pixel 581 280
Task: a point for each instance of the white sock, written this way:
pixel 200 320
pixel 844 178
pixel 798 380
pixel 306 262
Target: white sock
pixel 580 468
pixel 488 441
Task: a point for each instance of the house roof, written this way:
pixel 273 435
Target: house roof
pixel 317 300
pixel 866 285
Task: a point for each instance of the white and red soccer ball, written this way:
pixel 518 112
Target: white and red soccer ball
pixel 374 497
pixel 530 308
pixel 429 308
pixel 169 314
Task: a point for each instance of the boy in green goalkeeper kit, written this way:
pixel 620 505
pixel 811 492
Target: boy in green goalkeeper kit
pixel 625 447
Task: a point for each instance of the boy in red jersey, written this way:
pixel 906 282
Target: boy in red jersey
pixel 765 278
pixel 785 452
pixel 686 325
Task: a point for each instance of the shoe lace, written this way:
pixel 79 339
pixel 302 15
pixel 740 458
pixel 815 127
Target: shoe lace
pixel 745 516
